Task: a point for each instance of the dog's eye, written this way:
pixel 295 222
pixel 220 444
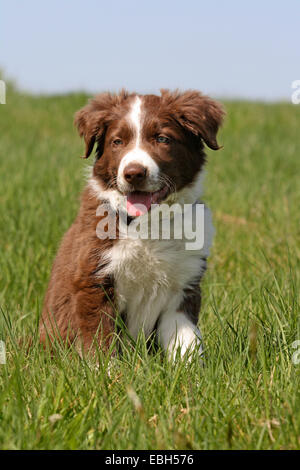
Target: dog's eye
pixel 161 139
pixel 118 142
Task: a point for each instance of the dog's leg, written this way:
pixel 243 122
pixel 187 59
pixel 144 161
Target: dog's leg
pixel 96 314
pixel 176 332
pixel 177 328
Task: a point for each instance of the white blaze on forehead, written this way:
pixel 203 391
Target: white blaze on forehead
pixel 137 154
pixel 135 117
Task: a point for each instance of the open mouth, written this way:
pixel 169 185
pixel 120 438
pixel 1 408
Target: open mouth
pixel 139 202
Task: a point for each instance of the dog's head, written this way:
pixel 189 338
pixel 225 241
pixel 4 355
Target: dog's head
pixel 148 147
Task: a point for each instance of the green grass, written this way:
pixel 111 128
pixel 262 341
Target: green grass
pixel 247 395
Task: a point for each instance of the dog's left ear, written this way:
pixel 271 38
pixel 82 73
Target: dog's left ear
pixel 197 113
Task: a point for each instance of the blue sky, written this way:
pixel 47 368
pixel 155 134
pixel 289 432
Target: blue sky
pixel 227 48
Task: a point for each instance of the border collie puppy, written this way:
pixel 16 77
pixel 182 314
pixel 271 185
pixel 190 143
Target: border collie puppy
pixel 149 155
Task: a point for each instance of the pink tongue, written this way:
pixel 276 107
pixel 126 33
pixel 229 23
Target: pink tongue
pixel 138 203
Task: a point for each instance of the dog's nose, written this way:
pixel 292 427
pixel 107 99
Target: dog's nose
pixel 134 173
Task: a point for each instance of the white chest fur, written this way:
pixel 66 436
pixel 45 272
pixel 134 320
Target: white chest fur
pixel 150 276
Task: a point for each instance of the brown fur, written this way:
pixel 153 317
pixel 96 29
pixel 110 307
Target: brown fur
pixel 79 302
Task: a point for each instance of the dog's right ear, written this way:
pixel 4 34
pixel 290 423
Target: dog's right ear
pixel 90 123
pixel 92 120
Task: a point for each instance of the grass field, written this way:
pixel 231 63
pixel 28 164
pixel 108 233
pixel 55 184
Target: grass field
pixel 247 395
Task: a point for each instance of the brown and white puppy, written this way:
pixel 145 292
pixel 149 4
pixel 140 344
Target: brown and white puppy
pixel 150 149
